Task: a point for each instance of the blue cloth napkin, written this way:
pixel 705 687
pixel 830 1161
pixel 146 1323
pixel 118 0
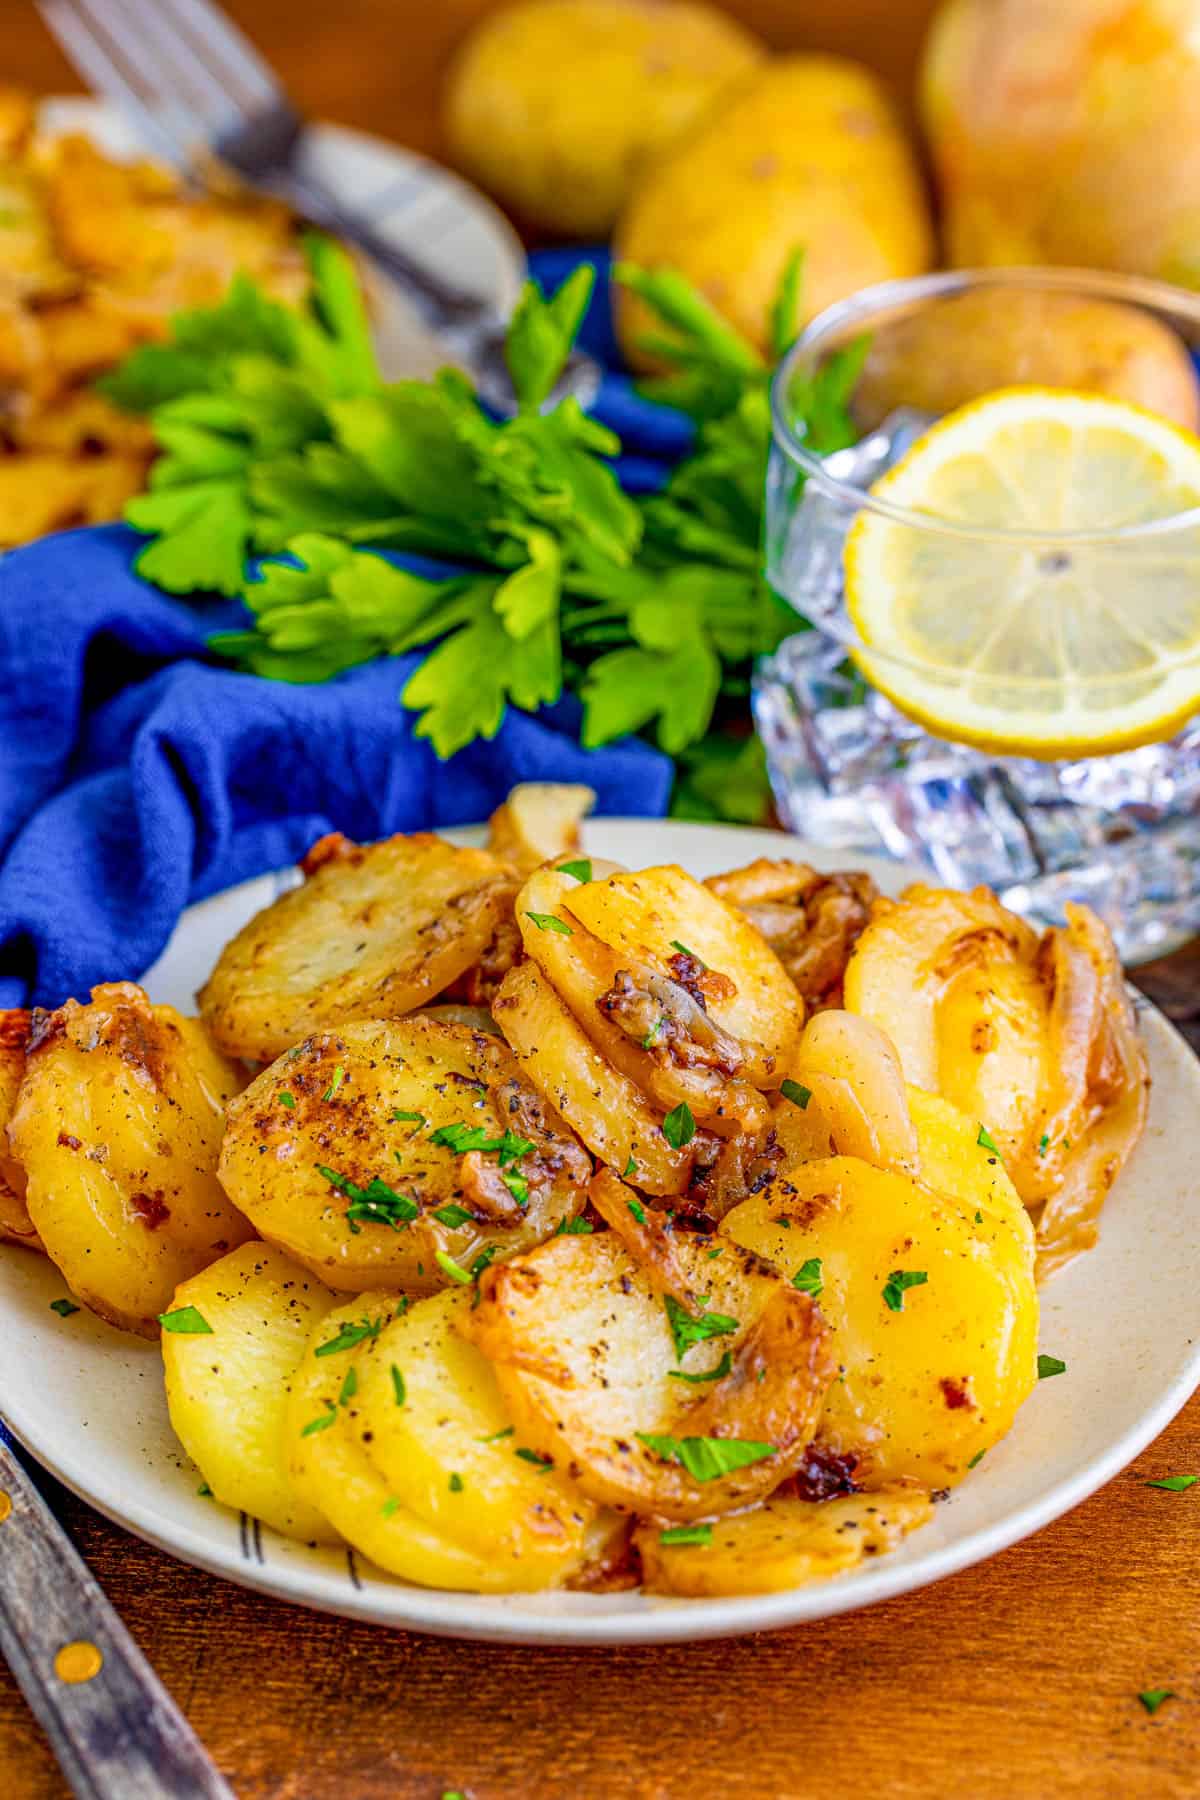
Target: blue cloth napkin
pixel 137 774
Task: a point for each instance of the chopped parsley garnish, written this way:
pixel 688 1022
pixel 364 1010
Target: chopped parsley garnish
pixel 454 1270
pixel 1175 1484
pixel 654 1035
pixel 409 1118
pixel 497 1435
pixel 713 1254
pixel 64 1308
pixel 1152 1698
pixel 204 1491
pixel 349 1335
pixel 798 1095
pixel 808 1277
pixel 186 1321
pixel 979 1218
pixel 321 1423
pixel 679 1127
pixel 286 1099
pixel 548 922
pixel 339 1075
pixel 399 1391
pixel 456 1483
pixel 629 1169
pixel 377 1203
pixel 638 1210
pixel 977 1459
pixel 689 1328
pixel 1043 1143
pixel 453 1215
pixel 517 1185
pixel 349 1386
pixel 722 1368
pixel 461 1137
pixel 686 1534
pixel 898 1282
pixel 574 1228
pixel 986 1141
pixel 706 1459
pixel 1050 1365
pixel 684 951
pixel 391 1505
pixel 542 1463
pixel 581 869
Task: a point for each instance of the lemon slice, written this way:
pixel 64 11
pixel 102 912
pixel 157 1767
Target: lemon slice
pixel 1058 645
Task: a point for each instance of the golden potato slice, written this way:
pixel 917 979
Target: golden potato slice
pixel 852 1073
pixel 811 921
pixel 117 1125
pixel 15 1223
pixel 538 823
pixel 228 1387
pixel 609 1112
pixel 681 1381
pixel 652 1021
pixel 781 1544
pixel 400 1152
pixel 375 931
pixel 330 1468
pixel 417 1465
pixel 953 1161
pixel 932 1305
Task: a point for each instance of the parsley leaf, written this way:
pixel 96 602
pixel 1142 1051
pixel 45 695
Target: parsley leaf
pixel 409 1118
pixel 1050 1365
pixel 808 1277
pixel 579 1227
pixel 581 868
pixel 987 1141
pixel 349 1335
pixel 64 1308
pixel 339 1075
pixel 542 1463
pixel 638 1210
pixel 550 922
pixel 977 1459
pixel 454 1270
pixel 722 1368
pixel 1175 1484
pixel 542 332
pixel 898 1282
pixel 453 1216
pixel 321 1423
pixel 377 1203
pixel 686 1534
pixel 706 1459
pixel 679 1127
pixel 1153 1698
pixel 398 1388
pixel 798 1095
pixel 186 1321
pixel 688 1328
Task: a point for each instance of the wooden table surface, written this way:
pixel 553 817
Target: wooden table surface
pixel 1015 1680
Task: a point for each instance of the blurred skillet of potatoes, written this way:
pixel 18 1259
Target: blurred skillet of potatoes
pixel 95 256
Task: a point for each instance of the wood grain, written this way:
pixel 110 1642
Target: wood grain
pixel 1013 1681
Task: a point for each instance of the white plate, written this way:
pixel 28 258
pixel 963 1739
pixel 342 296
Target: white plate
pixel 88 1402
pixel 441 220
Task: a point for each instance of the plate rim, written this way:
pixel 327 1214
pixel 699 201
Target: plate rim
pixel 403 1606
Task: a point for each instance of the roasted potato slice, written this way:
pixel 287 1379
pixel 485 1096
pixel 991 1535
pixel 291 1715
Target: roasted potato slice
pixel 538 823
pixel 932 1305
pixel 117 1125
pixel 400 1152
pixel 418 1466
pixel 852 1073
pixel 811 921
pixel 655 1020
pixel 781 1544
pixel 679 1376
pixel 375 931
pixel 609 1112
pixel 15 1222
pixel 227 1388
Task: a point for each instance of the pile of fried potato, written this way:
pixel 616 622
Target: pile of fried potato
pixel 95 257
pixel 585 1226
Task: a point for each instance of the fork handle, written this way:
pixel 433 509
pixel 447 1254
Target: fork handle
pixel 116 1732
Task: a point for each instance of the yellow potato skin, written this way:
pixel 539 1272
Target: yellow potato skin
pixel 927 1388
pixel 1068 133
pixel 782 1544
pixel 227 1392
pixel 806 154
pixel 556 106
pixel 117 1125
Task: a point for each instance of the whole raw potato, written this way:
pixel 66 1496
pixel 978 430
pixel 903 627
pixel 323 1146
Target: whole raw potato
pixel 808 153
pixel 1068 133
pixel 555 106
pixel 943 355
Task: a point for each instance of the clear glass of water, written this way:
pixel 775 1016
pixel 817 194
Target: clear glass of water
pixel 852 771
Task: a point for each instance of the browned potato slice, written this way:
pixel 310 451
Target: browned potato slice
pixel 227 1388
pixel 15 1222
pixel 538 823
pixel 333 1154
pixel 609 1112
pixel 117 1125
pixel 655 1016
pixel 375 931
pixel 416 1463
pixel 597 1350
pixel 782 1544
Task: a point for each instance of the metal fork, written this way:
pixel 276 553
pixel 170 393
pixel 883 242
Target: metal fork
pixel 196 88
